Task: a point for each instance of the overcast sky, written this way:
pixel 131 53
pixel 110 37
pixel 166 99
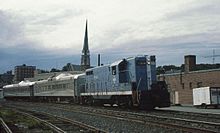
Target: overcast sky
pixel 49 33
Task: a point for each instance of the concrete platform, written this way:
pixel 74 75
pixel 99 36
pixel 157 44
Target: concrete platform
pixel 191 109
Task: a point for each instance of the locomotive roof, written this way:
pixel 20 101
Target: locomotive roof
pixel 22 83
pixel 26 83
pixel 116 63
pixel 78 75
pixel 64 76
pixel 126 59
pixel 90 69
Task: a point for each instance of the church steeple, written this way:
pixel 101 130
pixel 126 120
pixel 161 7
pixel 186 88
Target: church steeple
pixel 85 58
pixel 86 45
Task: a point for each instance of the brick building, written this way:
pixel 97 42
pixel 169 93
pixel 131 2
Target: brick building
pixel 23 71
pixel 181 84
pixel 6 78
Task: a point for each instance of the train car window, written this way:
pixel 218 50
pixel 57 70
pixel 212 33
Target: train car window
pixel 89 73
pixel 91 85
pixel 97 85
pixel 101 85
pixel 87 86
pixel 113 70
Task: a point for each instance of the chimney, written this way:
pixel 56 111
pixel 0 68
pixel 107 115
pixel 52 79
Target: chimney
pixel 190 63
pixel 99 60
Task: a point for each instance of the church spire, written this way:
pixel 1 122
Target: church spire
pixel 85 58
pixel 86 45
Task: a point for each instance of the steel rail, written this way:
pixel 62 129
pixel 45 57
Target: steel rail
pixel 5 127
pixel 137 117
pixel 80 124
pixel 141 119
pixel 52 126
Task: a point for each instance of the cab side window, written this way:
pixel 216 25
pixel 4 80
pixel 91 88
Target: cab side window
pixel 113 70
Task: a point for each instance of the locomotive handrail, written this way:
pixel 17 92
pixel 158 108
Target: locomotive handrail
pixel 139 83
pixel 137 88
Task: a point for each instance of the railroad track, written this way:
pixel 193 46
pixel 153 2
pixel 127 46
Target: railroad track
pixel 188 125
pixel 4 127
pixel 182 124
pixel 58 124
pixel 189 115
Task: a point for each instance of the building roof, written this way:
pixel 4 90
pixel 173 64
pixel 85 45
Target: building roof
pixel 191 72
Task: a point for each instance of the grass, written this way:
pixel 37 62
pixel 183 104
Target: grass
pixel 22 122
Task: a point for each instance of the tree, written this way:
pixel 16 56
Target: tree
pixel 67 67
pixel 55 70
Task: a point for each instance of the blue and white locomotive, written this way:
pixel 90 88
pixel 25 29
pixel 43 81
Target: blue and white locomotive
pixel 127 82
pixel 130 82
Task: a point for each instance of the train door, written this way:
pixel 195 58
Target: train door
pixel 123 72
pixel 141 74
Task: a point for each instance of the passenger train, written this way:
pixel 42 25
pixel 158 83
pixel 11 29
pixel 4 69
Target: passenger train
pixel 127 82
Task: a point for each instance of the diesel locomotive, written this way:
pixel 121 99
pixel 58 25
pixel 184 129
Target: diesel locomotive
pixel 128 82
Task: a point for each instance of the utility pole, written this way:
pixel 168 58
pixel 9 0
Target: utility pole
pixel 213 56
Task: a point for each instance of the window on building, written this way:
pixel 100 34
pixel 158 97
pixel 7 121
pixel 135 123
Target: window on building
pixel 183 86
pixel 168 85
pixel 199 84
pixel 190 85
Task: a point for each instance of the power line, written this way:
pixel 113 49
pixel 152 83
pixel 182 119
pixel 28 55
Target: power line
pixel 213 56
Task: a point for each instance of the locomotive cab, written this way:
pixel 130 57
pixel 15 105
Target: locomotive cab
pixel 126 82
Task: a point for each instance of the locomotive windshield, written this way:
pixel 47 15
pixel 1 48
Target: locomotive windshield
pixel 141 62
